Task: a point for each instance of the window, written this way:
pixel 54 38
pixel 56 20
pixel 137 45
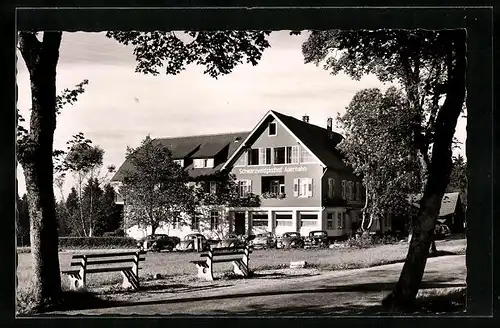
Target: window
pixel 283 223
pixel 253 157
pixel 195 223
pixel 329 220
pixel 213 187
pixel 214 220
pixel 343 189
pixel 203 163
pixel 272 128
pixel 260 223
pixel 176 221
pixel 288 158
pixel 242 160
pixel 275 186
pixel 305 156
pixel 279 155
pixel 295 154
pixel 302 187
pixel 282 188
pixel 340 220
pixel 179 162
pixel 308 220
pixel 271 184
pixel 244 187
pixel 358 191
pixel 331 188
pixel 265 156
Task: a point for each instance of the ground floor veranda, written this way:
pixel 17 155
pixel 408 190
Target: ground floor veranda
pixel 218 222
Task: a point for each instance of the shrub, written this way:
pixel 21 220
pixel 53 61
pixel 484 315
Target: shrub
pixel 97 242
pixel 116 233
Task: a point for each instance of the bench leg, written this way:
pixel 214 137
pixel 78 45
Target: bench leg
pixel 130 280
pixel 75 281
pixel 205 272
pixel 240 268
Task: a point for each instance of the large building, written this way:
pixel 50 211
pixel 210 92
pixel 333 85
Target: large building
pixel 292 165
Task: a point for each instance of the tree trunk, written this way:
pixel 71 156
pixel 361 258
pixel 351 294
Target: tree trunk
pixel 36 159
pixel 404 294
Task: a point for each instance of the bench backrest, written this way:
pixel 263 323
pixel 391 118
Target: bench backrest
pixel 237 251
pixel 95 259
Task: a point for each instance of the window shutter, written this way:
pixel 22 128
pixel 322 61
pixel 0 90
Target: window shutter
pixel 309 188
pixel 296 187
pixel 249 182
pixel 343 189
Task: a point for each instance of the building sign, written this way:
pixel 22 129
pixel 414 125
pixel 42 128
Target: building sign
pixel 273 170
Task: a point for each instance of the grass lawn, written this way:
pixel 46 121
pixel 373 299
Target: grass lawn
pixel 174 264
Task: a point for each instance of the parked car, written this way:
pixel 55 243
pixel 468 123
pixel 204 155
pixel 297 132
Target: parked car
pixel 158 242
pixel 317 238
pixel 264 241
pixel 188 243
pixel 441 231
pixel 232 240
pixel 290 240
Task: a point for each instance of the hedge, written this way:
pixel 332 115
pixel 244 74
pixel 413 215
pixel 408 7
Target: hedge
pixel 97 242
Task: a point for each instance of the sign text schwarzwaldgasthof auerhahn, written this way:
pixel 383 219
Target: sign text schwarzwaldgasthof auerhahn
pixel 272 170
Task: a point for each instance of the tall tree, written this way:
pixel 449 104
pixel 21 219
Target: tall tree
pixel 156 189
pixel 34 153
pixel 23 221
pixel 458 178
pixel 430 66
pixel 218 52
pixel 377 145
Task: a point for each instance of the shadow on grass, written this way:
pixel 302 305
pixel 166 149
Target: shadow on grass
pixel 280 275
pixel 176 288
pixel 71 300
pixel 451 303
pixel 356 288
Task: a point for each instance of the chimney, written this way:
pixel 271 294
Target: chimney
pixel 329 122
pixel 305 118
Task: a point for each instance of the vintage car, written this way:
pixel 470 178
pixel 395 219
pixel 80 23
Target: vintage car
pixel 188 243
pixel 158 242
pixel 317 238
pixel 290 240
pixel 232 240
pixel 264 241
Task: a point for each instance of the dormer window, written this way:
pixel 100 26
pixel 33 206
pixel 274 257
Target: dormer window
pixel 200 163
pixel 272 128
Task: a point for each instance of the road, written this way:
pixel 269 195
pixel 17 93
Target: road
pixel 326 293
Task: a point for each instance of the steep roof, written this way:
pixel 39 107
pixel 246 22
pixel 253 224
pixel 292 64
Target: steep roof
pixel 316 139
pixel 448 203
pixel 200 146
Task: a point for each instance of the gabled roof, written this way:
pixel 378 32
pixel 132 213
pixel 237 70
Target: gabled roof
pixel 448 203
pixel 312 137
pixel 200 146
pixel 209 150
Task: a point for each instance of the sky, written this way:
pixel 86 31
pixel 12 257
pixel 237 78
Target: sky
pixel 120 107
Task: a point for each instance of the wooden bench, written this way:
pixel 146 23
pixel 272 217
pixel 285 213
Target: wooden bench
pixel 238 255
pixel 128 265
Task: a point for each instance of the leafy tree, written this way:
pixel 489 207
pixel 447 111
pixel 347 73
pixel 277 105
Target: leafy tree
pixel 218 52
pixel 458 178
pixel 111 217
pixel 34 153
pixel 430 66
pixel 23 221
pixel 156 189
pixel 220 190
pixel 378 146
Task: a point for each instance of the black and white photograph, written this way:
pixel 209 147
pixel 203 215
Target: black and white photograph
pixel 242 172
